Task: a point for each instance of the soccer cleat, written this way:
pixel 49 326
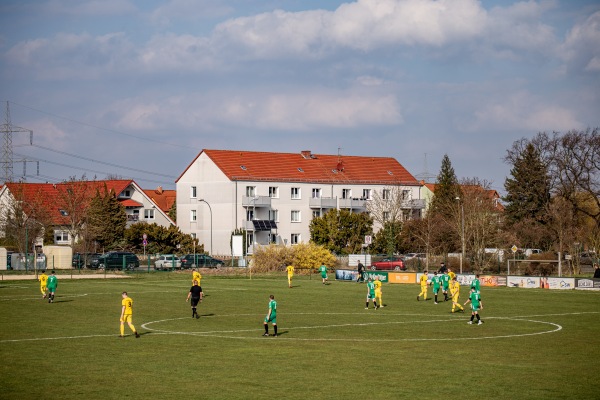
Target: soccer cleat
pixel 121 336
pixel 366 308
pixel 435 302
pixel 417 298
pixel 137 335
pixel 274 335
pixel 197 316
pixel 480 322
pixel 265 334
pixel 470 322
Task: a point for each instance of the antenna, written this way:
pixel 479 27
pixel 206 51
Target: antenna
pixel 425 176
pixel 7 130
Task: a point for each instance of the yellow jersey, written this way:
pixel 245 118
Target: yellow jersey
pixel 43 278
pixel 128 304
pixel 451 275
pixel 196 277
pixel 377 285
pixel 290 270
pixel 423 280
pixel 454 288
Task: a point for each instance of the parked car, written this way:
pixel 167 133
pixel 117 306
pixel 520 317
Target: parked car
pixel 114 260
pixel 81 260
pixel 393 263
pixel 167 261
pixel 588 258
pixel 201 261
pixel 410 256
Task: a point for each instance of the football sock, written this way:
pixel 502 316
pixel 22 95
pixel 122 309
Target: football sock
pixel 436 298
pixel 478 319
pixel 472 316
pixel 375 304
pixel 367 304
pixel 122 330
pixel 266 328
pixel 275 329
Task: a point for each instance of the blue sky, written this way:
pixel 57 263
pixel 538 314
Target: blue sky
pixel 138 88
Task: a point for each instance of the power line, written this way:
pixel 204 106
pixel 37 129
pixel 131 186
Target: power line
pixel 100 128
pixel 101 162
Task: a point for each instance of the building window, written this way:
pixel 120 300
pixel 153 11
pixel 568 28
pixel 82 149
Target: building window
pixel 149 214
pixel 385 194
pixel 316 213
pixel 366 194
pixel 274 215
pixel 386 215
pixel 273 192
pixel 193 215
pixel 61 236
pixel 295 216
pixel 193 235
pixel 316 193
pixel 295 193
pixel 250 191
pixel 346 193
pixel 64 213
pixel 128 193
pixel 193 192
pixel 273 238
pixel 249 238
pixel 406 195
pixel 249 215
pixel 295 238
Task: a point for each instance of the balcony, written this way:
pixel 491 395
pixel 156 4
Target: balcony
pixel 258 225
pixel 354 203
pixel 414 204
pixel 256 201
pixel 322 202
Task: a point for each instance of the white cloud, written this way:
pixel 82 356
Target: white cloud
pixel 581 49
pixel 524 112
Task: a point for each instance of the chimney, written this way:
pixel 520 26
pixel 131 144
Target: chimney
pixel 306 154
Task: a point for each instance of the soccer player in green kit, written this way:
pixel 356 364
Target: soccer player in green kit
pixel 51 285
pixel 271 316
pixel 445 284
pixel 476 305
pixel 475 283
pixel 371 294
pixel 323 271
pixel 435 281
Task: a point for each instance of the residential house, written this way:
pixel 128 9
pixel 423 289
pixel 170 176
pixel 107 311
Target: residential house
pixel 274 196
pixel 56 203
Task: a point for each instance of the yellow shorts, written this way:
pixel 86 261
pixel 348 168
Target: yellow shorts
pixel 127 318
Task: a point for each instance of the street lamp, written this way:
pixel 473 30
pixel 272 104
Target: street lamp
pixel 211 223
pixel 462 235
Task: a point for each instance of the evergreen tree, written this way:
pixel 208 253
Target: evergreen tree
pixel 447 190
pixel 107 219
pixel 528 191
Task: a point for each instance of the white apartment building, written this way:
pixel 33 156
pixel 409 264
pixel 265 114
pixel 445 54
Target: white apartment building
pixel 274 196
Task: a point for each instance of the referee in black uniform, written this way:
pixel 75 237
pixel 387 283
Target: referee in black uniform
pixel 196 295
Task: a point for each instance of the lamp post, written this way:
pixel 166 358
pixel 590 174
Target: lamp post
pixel 211 223
pixel 462 234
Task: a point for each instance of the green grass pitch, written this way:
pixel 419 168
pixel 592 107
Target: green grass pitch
pixel 534 344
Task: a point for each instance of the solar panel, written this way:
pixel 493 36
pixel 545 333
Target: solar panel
pixel 264 224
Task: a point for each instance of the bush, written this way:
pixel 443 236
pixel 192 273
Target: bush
pixel 303 257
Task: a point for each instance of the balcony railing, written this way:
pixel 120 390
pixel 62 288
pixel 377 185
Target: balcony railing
pixel 256 201
pixel 322 202
pixel 353 203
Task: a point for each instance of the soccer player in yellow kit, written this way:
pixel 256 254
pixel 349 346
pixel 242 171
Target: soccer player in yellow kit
pixel 290 272
pixel 43 278
pixel 451 274
pixel 377 284
pixel 455 293
pixel 423 282
pixel 196 276
pixel 127 315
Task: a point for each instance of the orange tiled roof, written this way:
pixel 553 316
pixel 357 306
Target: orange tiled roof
pixel 164 199
pixel 51 198
pixel 308 167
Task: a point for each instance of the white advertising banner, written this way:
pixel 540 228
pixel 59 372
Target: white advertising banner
pixel 558 283
pixel 530 282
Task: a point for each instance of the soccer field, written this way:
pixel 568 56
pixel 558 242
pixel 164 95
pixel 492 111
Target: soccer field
pixel 534 344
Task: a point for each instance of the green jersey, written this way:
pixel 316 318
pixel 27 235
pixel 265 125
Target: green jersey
pixel 323 270
pixel 435 281
pixel 52 282
pixel 371 289
pixel 445 280
pixel 475 284
pixel 273 308
pixel 475 298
